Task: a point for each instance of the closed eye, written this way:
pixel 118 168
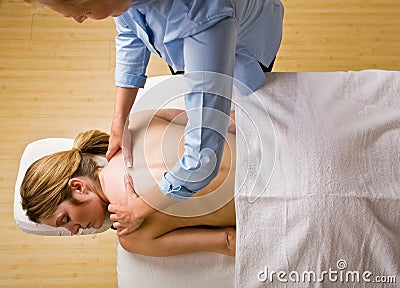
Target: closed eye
pixel 84 15
pixel 65 219
pixel 62 220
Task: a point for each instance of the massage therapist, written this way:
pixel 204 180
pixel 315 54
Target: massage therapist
pixel 203 38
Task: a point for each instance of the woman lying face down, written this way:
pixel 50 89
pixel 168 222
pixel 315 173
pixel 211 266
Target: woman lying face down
pixel 69 189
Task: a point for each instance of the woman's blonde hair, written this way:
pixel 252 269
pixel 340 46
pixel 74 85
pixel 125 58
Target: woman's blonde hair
pixel 45 185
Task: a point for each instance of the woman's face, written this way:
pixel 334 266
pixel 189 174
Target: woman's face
pixel 80 10
pixel 90 214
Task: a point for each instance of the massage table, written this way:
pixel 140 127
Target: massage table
pixel 317 186
pixel 196 270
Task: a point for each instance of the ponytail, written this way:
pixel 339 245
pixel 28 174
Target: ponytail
pixel 93 142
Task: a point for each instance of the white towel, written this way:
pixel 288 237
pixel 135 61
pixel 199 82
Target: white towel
pixel 332 200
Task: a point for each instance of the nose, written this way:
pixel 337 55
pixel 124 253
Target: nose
pixel 80 19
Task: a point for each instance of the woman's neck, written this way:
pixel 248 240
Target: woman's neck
pixel 111 180
pixel 100 187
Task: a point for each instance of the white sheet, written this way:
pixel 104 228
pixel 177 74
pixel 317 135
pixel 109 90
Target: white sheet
pixel 334 192
pixel 198 270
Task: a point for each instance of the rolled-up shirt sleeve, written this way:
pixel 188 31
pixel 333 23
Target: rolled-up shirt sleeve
pixel 209 61
pixel 132 57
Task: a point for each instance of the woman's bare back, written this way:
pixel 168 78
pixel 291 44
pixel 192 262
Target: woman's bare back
pixel 157 146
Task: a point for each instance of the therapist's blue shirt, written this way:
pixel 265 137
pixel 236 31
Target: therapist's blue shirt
pixel 224 36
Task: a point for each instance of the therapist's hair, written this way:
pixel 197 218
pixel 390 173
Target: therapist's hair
pixel 45 185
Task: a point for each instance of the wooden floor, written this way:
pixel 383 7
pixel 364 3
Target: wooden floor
pixel 56 79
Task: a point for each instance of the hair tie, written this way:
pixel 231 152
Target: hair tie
pixel 77 149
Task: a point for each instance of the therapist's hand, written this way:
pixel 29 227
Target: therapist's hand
pixel 129 215
pixel 117 137
pixel 115 142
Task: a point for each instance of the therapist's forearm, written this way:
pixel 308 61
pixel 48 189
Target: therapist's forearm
pixel 122 106
pixel 209 62
pixel 123 103
pixel 204 144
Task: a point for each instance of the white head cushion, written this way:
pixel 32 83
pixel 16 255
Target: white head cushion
pixel 33 152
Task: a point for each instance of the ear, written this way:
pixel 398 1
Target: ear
pixel 77 186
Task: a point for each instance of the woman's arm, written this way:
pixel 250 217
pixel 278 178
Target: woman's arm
pixel 181 241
